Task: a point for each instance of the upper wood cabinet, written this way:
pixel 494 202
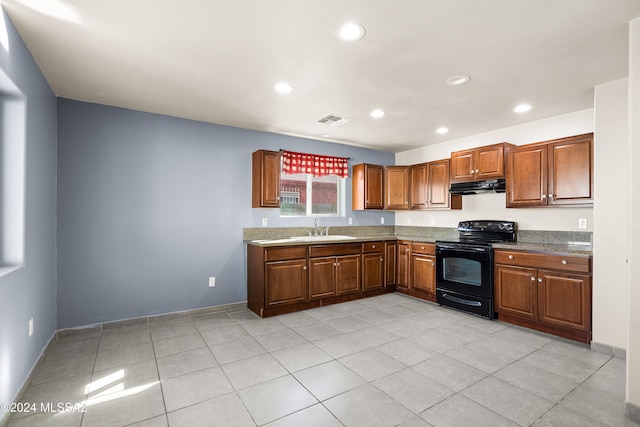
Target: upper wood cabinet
pixel 479 163
pixel 429 186
pixel 265 191
pixel 367 187
pixel 396 187
pixel 551 173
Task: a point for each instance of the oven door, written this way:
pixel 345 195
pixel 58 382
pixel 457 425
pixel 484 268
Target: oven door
pixel 465 269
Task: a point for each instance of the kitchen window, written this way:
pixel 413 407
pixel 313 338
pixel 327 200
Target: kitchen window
pixel 312 185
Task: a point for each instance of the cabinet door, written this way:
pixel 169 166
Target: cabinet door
pixel 321 280
pixel 489 162
pixel 515 291
pixel 418 185
pixel 565 299
pixel 396 187
pixel 374 188
pixel 367 187
pixel 527 176
pixel 438 184
pixel 285 282
pixel 404 254
pixel 462 166
pixel 391 250
pixel 347 274
pixel 265 179
pixel 372 271
pixel 571 171
pixel 423 273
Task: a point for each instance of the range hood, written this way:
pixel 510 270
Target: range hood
pixel 487 186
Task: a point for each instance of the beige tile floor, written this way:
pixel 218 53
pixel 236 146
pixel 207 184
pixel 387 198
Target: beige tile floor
pixel 391 360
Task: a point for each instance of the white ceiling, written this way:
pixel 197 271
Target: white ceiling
pixel 218 61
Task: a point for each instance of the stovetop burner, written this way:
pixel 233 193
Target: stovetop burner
pixel 484 232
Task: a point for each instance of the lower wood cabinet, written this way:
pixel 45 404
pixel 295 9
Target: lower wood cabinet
pixel 282 279
pixel 551 293
pixel 373 266
pixel 417 269
pixel 333 276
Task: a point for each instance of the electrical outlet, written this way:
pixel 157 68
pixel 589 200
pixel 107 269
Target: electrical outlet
pixel 433 221
pixel 212 282
pixel 582 223
pixel 264 222
pixel 382 220
pixel 350 221
pixel 409 221
pixel 30 326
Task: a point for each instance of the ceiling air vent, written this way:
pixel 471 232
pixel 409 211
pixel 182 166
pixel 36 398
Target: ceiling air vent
pixel 334 120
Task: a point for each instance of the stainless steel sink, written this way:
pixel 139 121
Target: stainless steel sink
pixel 328 238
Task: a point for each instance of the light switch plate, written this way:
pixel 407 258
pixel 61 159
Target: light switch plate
pixel 382 220
pixel 264 222
pixel 582 223
pixel 350 221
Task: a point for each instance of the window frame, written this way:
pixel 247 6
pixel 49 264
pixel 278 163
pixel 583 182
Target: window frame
pixel 340 199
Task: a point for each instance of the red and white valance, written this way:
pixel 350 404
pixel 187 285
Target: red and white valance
pixel 314 164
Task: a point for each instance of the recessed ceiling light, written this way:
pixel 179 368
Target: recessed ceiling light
pixel 350 32
pixel 442 130
pixel 283 87
pixel 376 114
pixel 522 108
pixel 458 80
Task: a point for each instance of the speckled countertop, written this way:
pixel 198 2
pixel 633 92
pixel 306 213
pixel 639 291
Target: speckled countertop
pixel 575 243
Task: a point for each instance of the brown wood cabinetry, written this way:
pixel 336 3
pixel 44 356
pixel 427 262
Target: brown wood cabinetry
pixel 373 266
pixel 404 261
pixel 391 257
pixel 429 187
pixel 281 279
pixel 265 192
pixel 417 269
pixel 423 269
pixel 551 293
pixel 396 187
pixel 479 163
pixel 551 173
pixel 276 277
pixel 367 187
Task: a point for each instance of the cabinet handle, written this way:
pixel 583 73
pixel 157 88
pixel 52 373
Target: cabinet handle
pixel 304 267
pixel 471 171
pixel 477 170
pixel 510 256
pixel 564 261
pixel 335 264
pixel 551 196
pixel 406 250
pixel 544 196
pixel 539 279
pixel 381 259
pixel 406 202
pixel 533 279
pixel 373 246
pixel 422 247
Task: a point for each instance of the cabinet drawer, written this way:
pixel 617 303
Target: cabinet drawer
pixel 547 261
pixel 335 250
pixel 372 247
pixel 285 253
pixel 423 248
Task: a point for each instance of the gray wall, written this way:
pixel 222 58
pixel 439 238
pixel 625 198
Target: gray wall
pixel 150 206
pixel 30 290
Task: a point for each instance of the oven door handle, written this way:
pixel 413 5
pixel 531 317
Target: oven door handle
pixel 462 246
pixel 462 301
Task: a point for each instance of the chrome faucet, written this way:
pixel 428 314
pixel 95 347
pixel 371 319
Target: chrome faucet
pixel 315 226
